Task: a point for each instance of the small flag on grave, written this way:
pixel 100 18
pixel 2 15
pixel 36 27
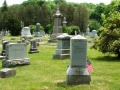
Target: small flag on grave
pixel 89 66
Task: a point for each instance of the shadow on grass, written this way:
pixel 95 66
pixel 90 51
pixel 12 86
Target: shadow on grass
pixel 63 84
pixel 106 59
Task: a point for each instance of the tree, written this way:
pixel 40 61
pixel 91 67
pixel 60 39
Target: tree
pixel 70 14
pixel 109 40
pixel 4 6
pixel 13 24
pixel 81 18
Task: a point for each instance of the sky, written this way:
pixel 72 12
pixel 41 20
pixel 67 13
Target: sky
pixel 11 2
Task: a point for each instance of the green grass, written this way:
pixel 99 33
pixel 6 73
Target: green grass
pixel 45 73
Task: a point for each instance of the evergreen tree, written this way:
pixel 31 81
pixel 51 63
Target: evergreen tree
pixel 4 6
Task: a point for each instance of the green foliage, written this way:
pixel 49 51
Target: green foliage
pixel 81 18
pixel 109 40
pixel 94 25
pixel 4 6
pixel 14 25
pixel 71 30
pixel 49 29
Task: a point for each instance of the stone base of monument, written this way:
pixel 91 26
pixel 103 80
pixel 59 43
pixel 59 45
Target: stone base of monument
pixel 77 75
pixel 35 50
pixel 37 34
pixel 7 72
pixel 61 56
pixel 15 62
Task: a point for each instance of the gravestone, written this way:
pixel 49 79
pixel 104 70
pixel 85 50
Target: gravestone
pixel 7 72
pixel 63 47
pixel 3 53
pixel 25 33
pixel 2 35
pixel 77 72
pixel 57 28
pixel 94 34
pixel 88 31
pixel 37 33
pixel 33 47
pixel 64 22
pixel 15 55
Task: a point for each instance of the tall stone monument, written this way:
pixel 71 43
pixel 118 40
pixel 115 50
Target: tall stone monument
pixel 77 72
pixel 37 33
pixel 63 47
pixel 57 28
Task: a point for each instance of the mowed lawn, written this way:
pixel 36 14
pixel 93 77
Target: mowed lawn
pixel 45 73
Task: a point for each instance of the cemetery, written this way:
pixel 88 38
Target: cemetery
pixel 59 56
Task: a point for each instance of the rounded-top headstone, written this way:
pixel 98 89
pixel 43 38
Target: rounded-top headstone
pixel 79 37
pixel 64 36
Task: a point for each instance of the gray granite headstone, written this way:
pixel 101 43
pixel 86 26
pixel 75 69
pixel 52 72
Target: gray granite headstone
pixel 3 53
pixel 63 47
pixel 33 47
pixel 94 34
pixel 15 55
pixel 88 31
pixel 77 72
pixel 37 33
pixel 7 72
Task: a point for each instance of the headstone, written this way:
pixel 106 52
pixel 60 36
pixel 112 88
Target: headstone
pixel 25 33
pixel 33 47
pixel 2 35
pixel 57 28
pixel 7 72
pixel 63 47
pixel 77 72
pixel 37 33
pixel 88 31
pixel 4 44
pixel 94 34
pixel 75 32
pixel 15 55
pixel 64 21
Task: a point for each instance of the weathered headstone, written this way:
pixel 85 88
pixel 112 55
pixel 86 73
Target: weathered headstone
pixel 88 31
pixel 37 33
pixel 77 72
pixel 7 72
pixel 57 28
pixel 3 53
pixel 94 34
pixel 33 47
pixel 25 33
pixel 15 55
pixel 63 47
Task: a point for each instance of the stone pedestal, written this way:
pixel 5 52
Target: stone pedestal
pixel 77 72
pixel 7 72
pixel 57 28
pixel 63 47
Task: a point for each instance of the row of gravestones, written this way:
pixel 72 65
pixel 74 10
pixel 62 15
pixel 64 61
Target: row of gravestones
pixel 77 72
